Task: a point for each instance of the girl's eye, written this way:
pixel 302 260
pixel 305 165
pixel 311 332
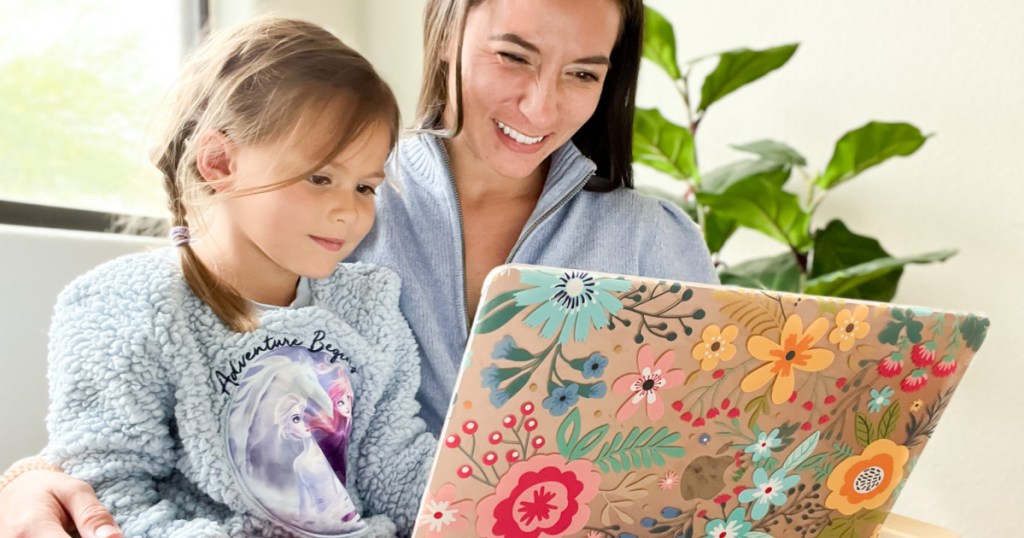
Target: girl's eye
pixel 296 419
pixel 319 180
pixel 514 58
pixel 369 190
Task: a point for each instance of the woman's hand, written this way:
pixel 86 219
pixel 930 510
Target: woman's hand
pixel 48 504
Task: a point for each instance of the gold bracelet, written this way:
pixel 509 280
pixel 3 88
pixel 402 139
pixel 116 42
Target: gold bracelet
pixel 34 463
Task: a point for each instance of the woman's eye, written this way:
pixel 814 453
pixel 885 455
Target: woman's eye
pixel 586 76
pixel 515 58
pixel 319 180
pixel 363 188
pixel 296 419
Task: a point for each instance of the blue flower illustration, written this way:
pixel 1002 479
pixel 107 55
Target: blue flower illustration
pixel 570 302
pixel 762 448
pixel 503 348
pixel 880 399
pixel 490 378
pixel 597 390
pixel 734 526
pixel 704 438
pixel 594 365
pixel 561 399
pixel 767 490
pixel 498 397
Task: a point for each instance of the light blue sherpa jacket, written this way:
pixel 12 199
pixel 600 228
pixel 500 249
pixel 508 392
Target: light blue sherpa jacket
pixel 418 234
pixel 187 429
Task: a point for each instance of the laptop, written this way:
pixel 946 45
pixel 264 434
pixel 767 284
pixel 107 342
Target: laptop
pixel 598 405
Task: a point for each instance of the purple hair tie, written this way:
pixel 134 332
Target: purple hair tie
pixel 180 235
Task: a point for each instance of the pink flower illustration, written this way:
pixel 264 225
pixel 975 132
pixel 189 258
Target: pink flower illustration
pixel 442 513
pixel 644 384
pixel 544 496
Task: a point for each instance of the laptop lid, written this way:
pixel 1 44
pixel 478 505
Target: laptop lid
pixel 597 405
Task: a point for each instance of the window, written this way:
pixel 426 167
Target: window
pixel 80 85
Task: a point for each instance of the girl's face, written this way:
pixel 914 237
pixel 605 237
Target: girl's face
pixel 344 405
pixel 307 227
pixel 294 426
pixel 532 74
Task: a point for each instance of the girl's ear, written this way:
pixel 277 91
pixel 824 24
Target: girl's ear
pixel 215 159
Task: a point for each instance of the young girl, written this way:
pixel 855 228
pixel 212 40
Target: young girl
pixel 184 381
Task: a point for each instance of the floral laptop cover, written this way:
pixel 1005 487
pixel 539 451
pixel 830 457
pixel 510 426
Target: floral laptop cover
pixel 594 405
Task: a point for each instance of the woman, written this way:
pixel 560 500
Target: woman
pixel 523 155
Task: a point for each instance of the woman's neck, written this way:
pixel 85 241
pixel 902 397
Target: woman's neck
pixel 477 183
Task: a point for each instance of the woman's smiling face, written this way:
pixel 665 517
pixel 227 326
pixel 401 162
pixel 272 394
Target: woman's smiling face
pixel 532 75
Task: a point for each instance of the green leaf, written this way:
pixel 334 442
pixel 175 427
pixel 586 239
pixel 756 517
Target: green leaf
pixel 759 204
pixel 846 283
pixel 740 67
pixel 498 301
pixel 774 151
pixel 887 423
pixel 569 433
pixel 802 452
pixel 868 146
pixel 719 180
pixel 663 145
pixel 974 330
pixel 717 230
pixel 854 266
pixel 588 442
pixel 660 42
pixel 498 318
pixel 863 430
pixel 839 528
pixel 780 273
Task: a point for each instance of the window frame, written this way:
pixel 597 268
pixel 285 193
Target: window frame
pixel 195 26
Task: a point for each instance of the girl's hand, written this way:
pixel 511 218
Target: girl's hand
pixel 48 504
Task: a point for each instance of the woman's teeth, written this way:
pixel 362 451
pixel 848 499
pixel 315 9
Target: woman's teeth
pixel 517 136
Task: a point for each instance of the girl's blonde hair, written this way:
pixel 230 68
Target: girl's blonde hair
pixel 252 83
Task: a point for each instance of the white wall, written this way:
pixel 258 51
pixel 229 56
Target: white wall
pixel 951 68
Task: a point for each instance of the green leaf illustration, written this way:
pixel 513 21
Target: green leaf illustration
pixel 887 424
pixel 802 451
pixel 863 428
pixel 640 448
pixel 569 433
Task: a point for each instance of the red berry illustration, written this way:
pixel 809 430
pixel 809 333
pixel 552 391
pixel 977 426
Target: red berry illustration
pixel 698 423
pixel 527 408
pixel 891 366
pixel 712 413
pixel 452 441
pixel 530 424
pixel 923 354
pixel 512 455
pixel 734 412
pixel 944 367
pixel 537 442
pixel 509 421
pixel 490 458
pixel 718 374
pixel 494 438
pixel 830 399
pixel 808 405
pixel 915 380
pixel 805 426
pixel 726 403
pixel 792 397
pixel 841 382
pixel 465 471
pixel 470 427
pixel 677 406
pixel 823 419
pixel 687 416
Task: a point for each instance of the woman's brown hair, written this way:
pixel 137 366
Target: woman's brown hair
pixel 251 83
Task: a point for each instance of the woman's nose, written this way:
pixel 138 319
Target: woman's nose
pixel 539 103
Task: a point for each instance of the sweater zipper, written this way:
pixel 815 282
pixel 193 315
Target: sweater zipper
pixel 462 234
pixel 540 220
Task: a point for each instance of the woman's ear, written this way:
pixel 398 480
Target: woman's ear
pixel 215 159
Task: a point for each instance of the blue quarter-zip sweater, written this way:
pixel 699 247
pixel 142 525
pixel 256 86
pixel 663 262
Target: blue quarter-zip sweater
pixel 419 235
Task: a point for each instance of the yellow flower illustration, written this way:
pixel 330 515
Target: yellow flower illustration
pixel 866 481
pixel 850 327
pixel 716 345
pixel 792 352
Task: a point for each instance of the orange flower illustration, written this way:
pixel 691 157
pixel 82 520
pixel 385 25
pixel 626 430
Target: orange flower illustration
pixel 866 481
pixel 644 384
pixel 792 352
pixel 716 345
pixel 850 327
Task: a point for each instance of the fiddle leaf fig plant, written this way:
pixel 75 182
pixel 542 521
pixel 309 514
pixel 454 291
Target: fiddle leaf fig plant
pixel 757 193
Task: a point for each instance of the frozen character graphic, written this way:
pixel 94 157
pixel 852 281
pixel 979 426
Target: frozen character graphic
pixel 321 495
pixel 278 462
pixel 332 431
